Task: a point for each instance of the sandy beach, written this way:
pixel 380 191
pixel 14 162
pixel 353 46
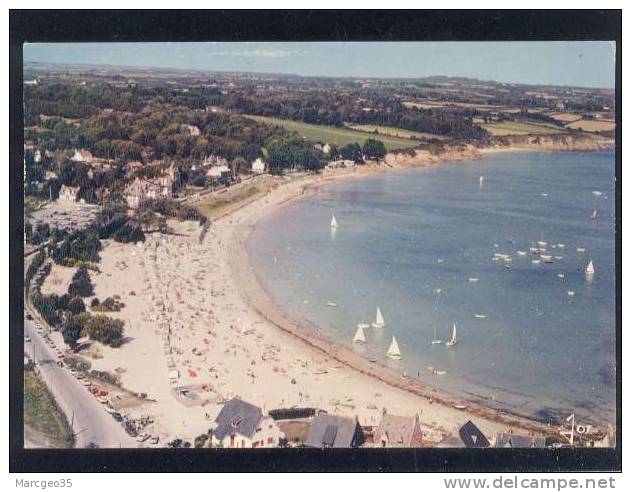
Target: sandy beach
pixel 195 309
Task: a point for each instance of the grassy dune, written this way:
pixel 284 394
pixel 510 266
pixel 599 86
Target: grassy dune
pixel 334 135
pixel 233 198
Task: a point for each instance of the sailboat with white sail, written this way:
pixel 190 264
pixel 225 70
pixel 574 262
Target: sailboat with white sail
pixel 393 350
pixel 589 271
pixel 359 337
pixel 379 321
pixel 333 222
pixel 454 339
pixel 594 215
pixel 436 341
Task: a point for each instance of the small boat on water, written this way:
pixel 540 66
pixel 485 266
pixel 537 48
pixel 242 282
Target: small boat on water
pixel 561 245
pixel 436 372
pixel 393 351
pixel 359 335
pixel 481 181
pixel 544 194
pixel 379 321
pixel 542 243
pixel 436 341
pixel 561 275
pixel 536 262
pixel 594 215
pixel 597 193
pixel 590 268
pixel 558 257
pixel 333 222
pixel 473 279
pixel 570 293
pixel 580 249
pixel 460 407
pixel 546 259
pixel 440 260
pixel 453 340
pixel 480 316
pixel 521 253
pixel 331 304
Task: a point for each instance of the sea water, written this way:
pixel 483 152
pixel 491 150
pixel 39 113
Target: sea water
pixel 410 241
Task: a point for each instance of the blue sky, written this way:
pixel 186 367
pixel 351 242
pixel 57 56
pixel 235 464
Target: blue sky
pixel 583 63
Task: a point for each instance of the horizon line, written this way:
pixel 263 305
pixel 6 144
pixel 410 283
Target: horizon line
pixel 288 74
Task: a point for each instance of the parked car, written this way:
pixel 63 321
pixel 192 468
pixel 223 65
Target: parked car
pixel 154 440
pixel 29 317
pixel 27 339
pixel 143 437
pixel 117 416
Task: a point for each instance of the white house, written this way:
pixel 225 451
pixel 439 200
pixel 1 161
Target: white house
pixel 258 166
pixel 217 171
pixel 243 425
pixel 68 193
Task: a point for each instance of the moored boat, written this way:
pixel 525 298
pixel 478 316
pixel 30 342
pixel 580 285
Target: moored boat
pixel 393 351
pixel 379 321
pixel 454 339
pixel 359 337
pixel 333 222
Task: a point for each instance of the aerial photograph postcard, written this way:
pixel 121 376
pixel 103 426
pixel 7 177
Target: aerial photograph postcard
pixel 319 245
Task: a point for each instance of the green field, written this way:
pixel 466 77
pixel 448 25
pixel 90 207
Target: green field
pixel 391 131
pixel 42 414
pixel 504 128
pixel 334 135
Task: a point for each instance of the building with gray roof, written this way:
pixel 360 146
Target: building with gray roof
pixel 243 425
pixel 331 431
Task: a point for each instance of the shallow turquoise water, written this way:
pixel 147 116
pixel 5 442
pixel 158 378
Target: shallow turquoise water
pixel 409 241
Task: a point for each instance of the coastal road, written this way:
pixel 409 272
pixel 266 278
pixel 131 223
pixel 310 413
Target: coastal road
pixel 91 423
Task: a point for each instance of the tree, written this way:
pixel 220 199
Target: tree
pixel 76 305
pixel 72 329
pixel 374 149
pixel 81 284
pixel 352 152
pixel 105 330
